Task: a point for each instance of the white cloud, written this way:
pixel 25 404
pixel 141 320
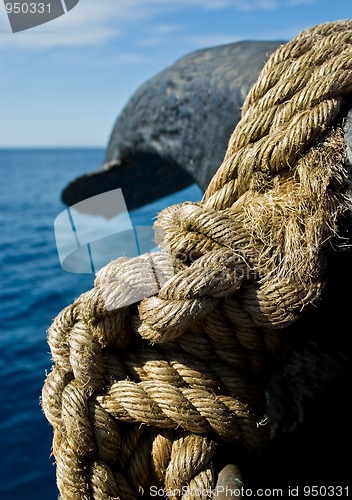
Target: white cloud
pixel 154 35
pixel 214 4
pixel 90 23
pixel 123 58
pixel 42 39
pixel 96 22
pixel 296 3
pixel 165 29
pixel 211 39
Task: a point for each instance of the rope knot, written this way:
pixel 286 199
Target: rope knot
pixel 184 340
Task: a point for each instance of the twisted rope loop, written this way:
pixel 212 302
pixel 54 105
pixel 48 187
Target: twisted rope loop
pixel 147 395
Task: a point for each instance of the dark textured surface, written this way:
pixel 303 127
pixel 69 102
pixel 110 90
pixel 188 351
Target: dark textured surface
pixel 175 128
pixel 348 137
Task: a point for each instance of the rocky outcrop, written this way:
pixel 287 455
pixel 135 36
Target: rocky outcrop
pixel 175 129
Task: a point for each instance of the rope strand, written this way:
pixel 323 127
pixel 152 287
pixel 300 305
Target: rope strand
pixel 144 393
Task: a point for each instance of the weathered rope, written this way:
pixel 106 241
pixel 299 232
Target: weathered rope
pixel 149 394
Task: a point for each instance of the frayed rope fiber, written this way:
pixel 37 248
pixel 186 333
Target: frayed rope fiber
pixel 149 394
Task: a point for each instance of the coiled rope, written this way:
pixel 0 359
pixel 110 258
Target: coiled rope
pixel 149 394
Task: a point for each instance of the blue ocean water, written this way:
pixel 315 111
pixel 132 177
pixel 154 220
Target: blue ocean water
pixel 34 289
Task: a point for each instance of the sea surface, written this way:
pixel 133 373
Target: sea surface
pixel 34 289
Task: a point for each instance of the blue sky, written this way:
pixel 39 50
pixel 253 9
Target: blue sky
pixel 65 82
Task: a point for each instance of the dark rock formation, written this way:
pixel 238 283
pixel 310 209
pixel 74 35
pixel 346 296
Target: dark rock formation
pixel 175 129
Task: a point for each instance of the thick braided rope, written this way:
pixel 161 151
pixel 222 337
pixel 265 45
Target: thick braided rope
pixel 147 395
